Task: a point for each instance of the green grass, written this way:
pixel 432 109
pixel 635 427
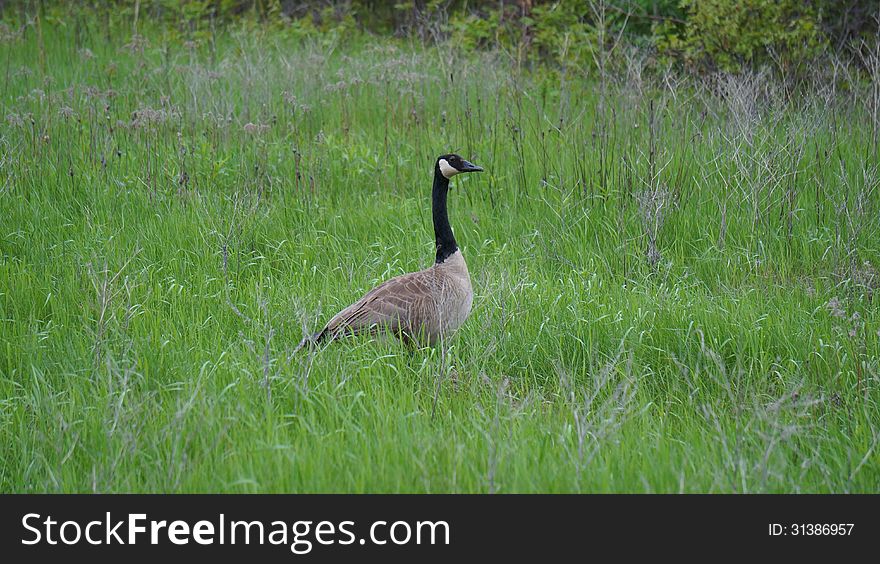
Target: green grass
pixel 158 268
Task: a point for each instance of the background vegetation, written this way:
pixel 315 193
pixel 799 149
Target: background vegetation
pixel 674 248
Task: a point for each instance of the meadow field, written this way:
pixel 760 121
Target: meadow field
pixel 675 276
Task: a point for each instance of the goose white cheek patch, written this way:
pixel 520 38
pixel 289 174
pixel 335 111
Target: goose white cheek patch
pixel 447 169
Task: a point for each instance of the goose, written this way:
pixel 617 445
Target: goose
pixel 421 307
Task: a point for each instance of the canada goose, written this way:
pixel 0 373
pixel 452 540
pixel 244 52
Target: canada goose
pixel 419 307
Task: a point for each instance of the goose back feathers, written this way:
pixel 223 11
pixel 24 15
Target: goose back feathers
pixel 419 307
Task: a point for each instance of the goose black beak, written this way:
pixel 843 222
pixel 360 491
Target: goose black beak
pixel 469 167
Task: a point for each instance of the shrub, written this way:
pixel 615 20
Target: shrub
pixel 729 35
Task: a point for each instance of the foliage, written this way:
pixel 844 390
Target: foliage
pixel 846 21
pixel 561 33
pixel 729 35
pixel 732 34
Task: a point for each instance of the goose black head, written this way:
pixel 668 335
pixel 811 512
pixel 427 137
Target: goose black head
pixel 452 164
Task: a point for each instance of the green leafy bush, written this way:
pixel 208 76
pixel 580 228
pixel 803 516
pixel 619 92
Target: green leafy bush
pixel 562 33
pixel 732 34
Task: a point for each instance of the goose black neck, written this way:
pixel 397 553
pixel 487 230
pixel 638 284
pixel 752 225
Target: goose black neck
pixel 443 236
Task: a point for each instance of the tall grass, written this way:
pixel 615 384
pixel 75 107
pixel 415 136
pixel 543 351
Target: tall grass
pixel 674 278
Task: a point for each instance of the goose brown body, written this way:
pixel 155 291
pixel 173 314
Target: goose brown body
pixel 420 307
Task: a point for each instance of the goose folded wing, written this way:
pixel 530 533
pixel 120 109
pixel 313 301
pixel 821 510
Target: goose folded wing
pixel 390 306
